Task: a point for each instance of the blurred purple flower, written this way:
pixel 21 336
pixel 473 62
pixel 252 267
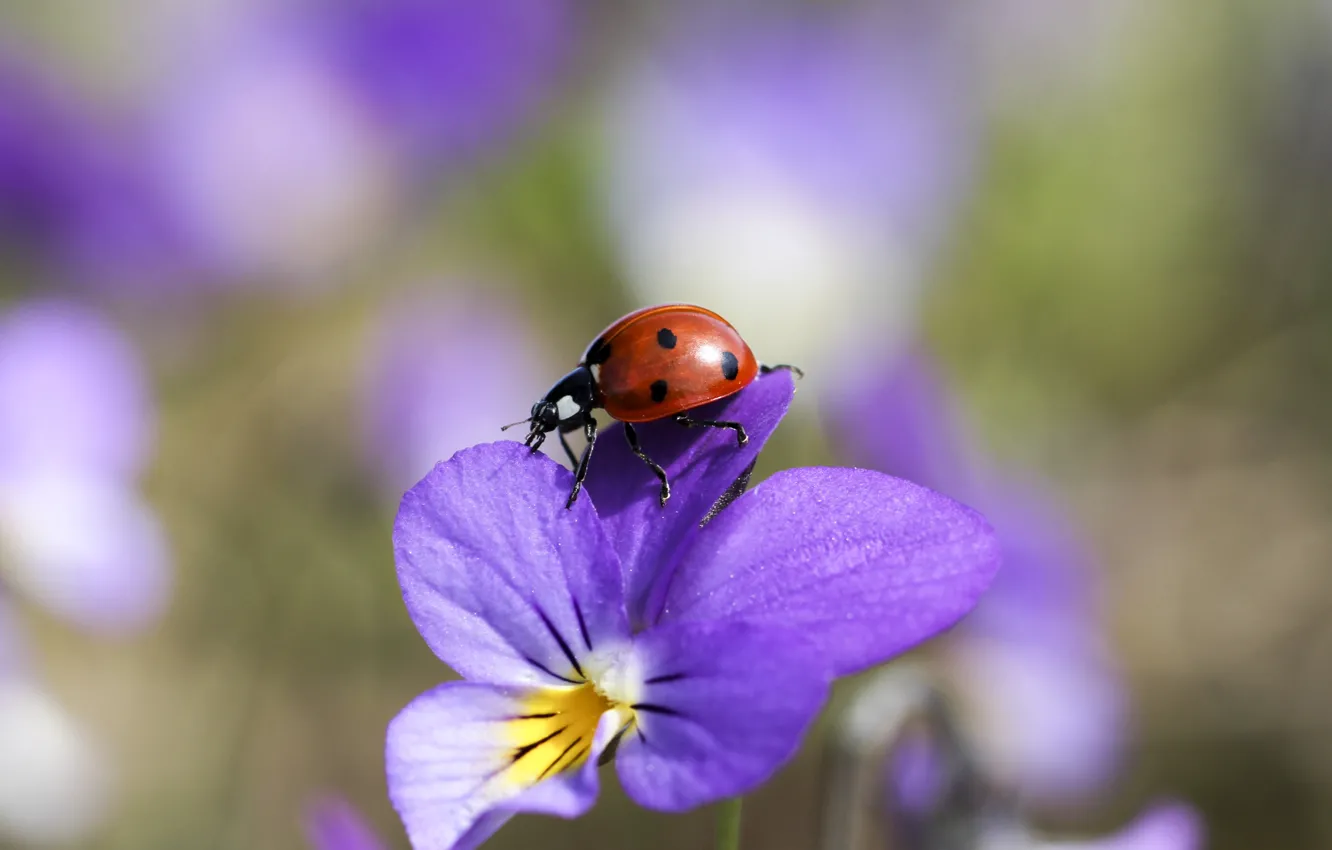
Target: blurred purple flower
pixel 933 805
pixel 331 823
pixel 76 194
pixel 443 372
pixel 703 653
pixel 794 172
pixel 1050 710
pixel 448 78
pixel 75 428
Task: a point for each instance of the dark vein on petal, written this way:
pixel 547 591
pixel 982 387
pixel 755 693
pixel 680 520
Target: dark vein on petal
pixel 535 716
pixel 549 672
pixel 653 708
pixel 564 645
pixel 527 748
pixel 582 625
pixel 559 758
pixel 669 677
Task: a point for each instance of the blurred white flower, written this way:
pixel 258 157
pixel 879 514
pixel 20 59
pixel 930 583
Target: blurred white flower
pixel 53 781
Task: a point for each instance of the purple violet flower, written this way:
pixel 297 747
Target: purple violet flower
pixel 1050 705
pixel 332 823
pixel 702 653
pixel 75 427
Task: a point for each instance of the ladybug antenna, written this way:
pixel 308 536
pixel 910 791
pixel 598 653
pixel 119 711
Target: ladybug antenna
pixel 515 424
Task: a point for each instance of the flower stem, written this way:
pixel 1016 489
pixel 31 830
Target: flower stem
pixel 728 824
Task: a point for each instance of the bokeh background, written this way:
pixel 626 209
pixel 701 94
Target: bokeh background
pixel 263 262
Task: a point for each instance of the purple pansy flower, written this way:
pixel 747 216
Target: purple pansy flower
pixel 702 652
pixel 425 398
pixel 1050 705
pixel 332 823
pixel 75 426
pixel 814 159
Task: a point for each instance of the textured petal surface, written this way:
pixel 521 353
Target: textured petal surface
pixel 865 564
pixel 724 705
pixel 504 584
pixel 88 550
pixel 332 823
pixel 446 759
pixel 701 466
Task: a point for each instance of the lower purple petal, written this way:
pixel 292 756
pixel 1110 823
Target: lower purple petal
pixel 448 757
pixel 723 707
pixel 865 564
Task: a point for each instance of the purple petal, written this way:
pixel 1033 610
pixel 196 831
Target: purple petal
pixel 446 759
pixel 72 393
pixel 504 584
pixel 90 551
pixel 865 564
pixel 701 466
pixel 425 398
pixel 332 823
pixel 725 706
pixel 1169 826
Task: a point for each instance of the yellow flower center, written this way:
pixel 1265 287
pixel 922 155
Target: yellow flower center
pixel 555 731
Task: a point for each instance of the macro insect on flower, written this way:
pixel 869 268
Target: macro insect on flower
pixel 654 363
pixel 701 651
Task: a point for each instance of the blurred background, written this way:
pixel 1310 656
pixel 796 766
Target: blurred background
pixel 263 262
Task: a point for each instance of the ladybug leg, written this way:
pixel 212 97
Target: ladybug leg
pixel 782 367
pixel 740 436
pixel 631 436
pixel 534 441
pixel 580 471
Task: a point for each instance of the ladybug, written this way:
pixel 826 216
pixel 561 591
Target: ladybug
pixel 655 363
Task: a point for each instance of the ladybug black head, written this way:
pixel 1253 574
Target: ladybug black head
pixel 566 406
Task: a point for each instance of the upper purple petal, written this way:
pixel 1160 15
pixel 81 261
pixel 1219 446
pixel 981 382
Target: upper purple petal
pixel 725 705
pixel 502 581
pixel 867 565
pixel 72 394
pixel 701 466
pixel 332 823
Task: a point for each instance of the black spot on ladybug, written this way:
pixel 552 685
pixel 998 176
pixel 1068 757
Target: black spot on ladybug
pixel 600 352
pixel 665 338
pixel 658 389
pixel 730 366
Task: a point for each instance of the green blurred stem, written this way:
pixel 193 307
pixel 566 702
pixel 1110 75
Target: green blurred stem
pixel 728 824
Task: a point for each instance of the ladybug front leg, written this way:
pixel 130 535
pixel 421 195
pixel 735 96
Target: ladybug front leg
pixel 632 437
pixel 590 431
pixel 740 436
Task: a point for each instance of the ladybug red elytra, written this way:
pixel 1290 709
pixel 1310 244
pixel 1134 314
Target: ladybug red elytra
pixel 652 364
